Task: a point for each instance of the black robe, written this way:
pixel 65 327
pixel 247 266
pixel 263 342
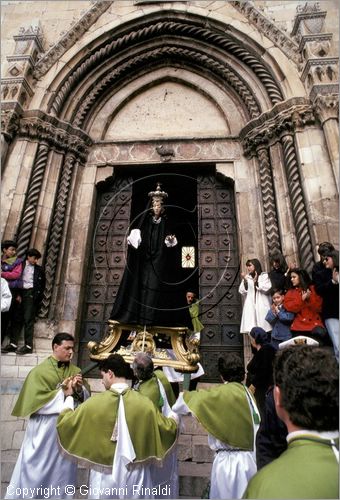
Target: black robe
pixel 144 295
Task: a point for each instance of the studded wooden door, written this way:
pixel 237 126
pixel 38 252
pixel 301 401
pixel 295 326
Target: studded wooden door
pixel 218 265
pixel 219 272
pixel 107 259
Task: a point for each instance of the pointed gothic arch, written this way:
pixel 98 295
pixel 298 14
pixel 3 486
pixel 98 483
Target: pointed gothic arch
pixel 167 38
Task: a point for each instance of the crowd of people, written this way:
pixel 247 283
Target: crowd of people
pixel 25 280
pixel 276 417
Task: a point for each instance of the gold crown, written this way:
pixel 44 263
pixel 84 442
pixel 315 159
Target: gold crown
pixel 158 194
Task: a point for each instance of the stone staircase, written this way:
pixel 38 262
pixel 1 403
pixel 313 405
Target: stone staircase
pixel 194 455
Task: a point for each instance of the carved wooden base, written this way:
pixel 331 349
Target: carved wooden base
pixel 142 340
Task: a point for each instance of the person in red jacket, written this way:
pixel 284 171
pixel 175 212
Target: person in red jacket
pixel 303 300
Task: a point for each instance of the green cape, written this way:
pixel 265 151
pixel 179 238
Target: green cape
pixel 194 313
pixel 40 386
pixel 150 389
pixel 224 412
pixel 307 469
pixel 86 432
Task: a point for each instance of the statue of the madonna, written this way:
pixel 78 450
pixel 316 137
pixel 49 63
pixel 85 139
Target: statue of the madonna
pixel 145 279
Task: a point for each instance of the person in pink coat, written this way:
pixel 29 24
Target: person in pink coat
pixel 303 300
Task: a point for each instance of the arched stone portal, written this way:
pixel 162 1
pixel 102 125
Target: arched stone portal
pixel 72 132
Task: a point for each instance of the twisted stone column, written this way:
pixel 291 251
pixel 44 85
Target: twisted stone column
pixel 31 201
pixel 268 200
pixel 57 225
pixel 299 211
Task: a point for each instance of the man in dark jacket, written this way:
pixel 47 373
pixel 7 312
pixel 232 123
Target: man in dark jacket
pixel 33 284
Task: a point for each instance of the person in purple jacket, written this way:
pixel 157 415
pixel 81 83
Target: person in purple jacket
pixel 11 271
pixel 279 318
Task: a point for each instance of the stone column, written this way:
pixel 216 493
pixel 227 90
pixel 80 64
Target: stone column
pixel 32 197
pixel 299 211
pixel 268 199
pixel 57 226
pixel 327 110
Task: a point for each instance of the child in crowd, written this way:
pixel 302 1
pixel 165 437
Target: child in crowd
pixel 11 271
pixel 31 293
pixel 278 274
pixel 303 300
pixel 255 286
pixel 279 318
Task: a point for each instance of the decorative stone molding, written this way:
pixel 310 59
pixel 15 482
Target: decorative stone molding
pixel 32 198
pixel 146 58
pixel 319 70
pixel 165 153
pixel 269 29
pixel 36 125
pixel 57 226
pixel 122 153
pixel 268 128
pixel 299 212
pixel 268 200
pixel 17 85
pixel 154 30
pixel 69 38
pixel 326 107
pixel 10 117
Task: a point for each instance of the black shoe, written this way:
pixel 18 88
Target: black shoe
pixel 25 349
pixel 9 348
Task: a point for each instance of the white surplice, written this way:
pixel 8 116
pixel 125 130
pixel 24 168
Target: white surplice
pixel 232 468
pixel 40 466
pixel 138 479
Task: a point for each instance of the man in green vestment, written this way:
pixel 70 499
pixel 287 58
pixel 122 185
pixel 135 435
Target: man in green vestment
pixel 125 436
pixel 306 385
pixel 229 414
pixel 40 466
pixel 155 386
pixel 152 384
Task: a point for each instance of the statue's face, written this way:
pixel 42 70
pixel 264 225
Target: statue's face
pixel 157 208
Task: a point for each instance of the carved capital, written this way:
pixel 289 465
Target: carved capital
pixel 10 116
pixel 59 135
pixel 283 118
pixel 326 107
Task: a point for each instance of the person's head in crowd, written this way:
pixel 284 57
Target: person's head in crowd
pixel 191 297
pixel 231 368
pixel 253 266
pixel 142 366
pixel 278 262
pixel 8 248
pixel 299 278
pixel 331 260
pixel 63 346
pixel 324 248
pixel 33 255
pixel 258 337
pixel 114 369
pixel 306 388
pixel 278 296
pixel 319 333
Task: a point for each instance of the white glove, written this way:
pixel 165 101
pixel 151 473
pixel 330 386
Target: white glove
pixel 134 238
pixel 171 240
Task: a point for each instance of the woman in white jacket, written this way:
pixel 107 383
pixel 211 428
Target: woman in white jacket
pixel 255 287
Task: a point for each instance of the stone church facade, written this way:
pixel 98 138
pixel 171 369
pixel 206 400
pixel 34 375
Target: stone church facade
pixel 232 106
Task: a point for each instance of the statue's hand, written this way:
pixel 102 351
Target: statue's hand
pixel 134 238
pixel 171 240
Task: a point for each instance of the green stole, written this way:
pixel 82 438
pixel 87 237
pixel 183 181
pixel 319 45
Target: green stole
pixel 194 312
pixel 40 386
pixel 86 432
pixel 150 389
pixel 215 410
